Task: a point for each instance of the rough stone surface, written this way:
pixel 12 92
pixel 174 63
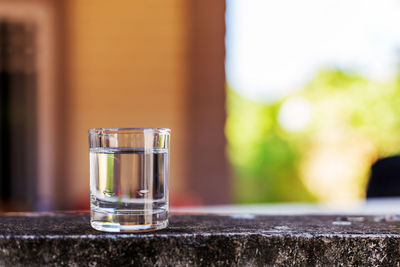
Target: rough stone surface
pixel 56 239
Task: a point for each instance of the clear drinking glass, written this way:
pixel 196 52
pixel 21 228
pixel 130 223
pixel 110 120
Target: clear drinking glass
pixel 129 170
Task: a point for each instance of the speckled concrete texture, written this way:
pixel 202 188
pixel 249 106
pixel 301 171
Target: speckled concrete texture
pixel 57 239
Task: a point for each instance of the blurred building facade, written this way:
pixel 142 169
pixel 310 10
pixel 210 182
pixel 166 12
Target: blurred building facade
pixel 125 64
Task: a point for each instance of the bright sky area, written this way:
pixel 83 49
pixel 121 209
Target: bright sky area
pixel 274 47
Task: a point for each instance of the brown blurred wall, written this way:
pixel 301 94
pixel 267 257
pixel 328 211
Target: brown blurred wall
pixel 128 63
pixel 126 66
pixel 208 168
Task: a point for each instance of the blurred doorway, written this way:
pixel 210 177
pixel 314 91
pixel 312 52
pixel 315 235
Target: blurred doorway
pixel 18 116
pixel 30 106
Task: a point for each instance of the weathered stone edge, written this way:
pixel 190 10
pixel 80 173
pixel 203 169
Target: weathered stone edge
pixel 199 249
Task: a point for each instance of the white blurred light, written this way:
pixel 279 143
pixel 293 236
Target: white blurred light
pixel 294 114
pixel 275 47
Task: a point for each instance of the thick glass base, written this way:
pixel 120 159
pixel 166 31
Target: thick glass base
pixel 128 221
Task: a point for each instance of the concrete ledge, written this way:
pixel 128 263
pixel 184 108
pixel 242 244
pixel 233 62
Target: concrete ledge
pixel 67 239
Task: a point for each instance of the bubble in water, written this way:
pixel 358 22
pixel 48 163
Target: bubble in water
pixel 143 192
pixel 108 193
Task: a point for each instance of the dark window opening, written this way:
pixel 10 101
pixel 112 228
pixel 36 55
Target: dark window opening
pixel 18 116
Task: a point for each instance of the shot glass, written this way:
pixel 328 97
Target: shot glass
pixel 129 169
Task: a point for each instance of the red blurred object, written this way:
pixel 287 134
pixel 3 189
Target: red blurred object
pixel 186 200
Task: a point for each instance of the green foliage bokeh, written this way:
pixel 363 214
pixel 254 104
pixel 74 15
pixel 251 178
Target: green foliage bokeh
pixel 267 159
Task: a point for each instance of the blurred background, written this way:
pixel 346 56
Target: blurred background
pixel 268 101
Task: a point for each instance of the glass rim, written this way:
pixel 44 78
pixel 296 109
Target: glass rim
pixel 128 130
